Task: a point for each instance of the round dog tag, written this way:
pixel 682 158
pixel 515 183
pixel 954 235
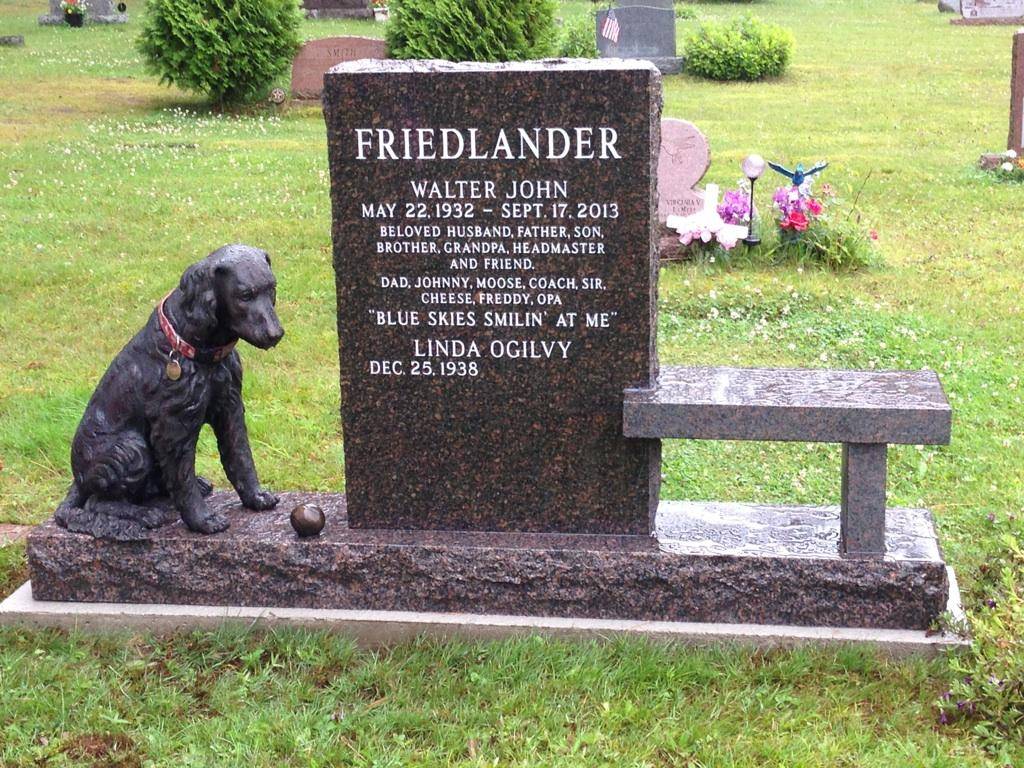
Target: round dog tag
pixel 173 370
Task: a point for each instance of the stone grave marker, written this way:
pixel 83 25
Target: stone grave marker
pixel 991 12
pixel 98 12
pixel 682 163
pixel 317 56
pixel 1016 137
pixel 646 29
pixel 338 9
pixel 495 272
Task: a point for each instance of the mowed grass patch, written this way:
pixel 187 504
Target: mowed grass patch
pixel 300 699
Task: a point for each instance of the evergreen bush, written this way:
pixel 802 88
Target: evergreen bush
pixel 578 38
pixel 229 50
pixel 745 48
pixel 471 30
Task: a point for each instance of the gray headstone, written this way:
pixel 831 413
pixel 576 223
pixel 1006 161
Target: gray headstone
pixel 495 271
pixel 949 6
pixel 992 9
pixel 97 12
pixel 338 9
pixel 12 41
pixel 645 32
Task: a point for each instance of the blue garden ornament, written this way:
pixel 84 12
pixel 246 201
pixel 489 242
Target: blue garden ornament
pixel 799 176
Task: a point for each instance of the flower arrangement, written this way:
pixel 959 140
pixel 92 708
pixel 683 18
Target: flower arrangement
pixel 797 209
pixel 1012 166
pixel 810 228
pixel 735 205
pixel 74 7
pixel 707 231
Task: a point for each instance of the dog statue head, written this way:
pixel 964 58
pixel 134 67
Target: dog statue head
pixel 231 295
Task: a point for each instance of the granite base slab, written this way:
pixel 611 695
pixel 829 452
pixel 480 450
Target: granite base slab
pixel 708 562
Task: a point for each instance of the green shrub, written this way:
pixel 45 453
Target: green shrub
pixel 742 49
pixel 578 38
pixel 229 50
pixel 471 30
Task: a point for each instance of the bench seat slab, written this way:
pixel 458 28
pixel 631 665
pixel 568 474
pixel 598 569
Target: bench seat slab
pixel 803 405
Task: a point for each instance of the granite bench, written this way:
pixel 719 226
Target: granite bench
pixel 863 410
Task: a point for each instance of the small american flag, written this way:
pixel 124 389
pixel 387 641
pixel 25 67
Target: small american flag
pixel 610 28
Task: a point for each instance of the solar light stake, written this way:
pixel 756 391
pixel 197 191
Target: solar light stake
pixel 753 167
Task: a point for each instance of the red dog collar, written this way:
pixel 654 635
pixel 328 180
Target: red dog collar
pixel 214 355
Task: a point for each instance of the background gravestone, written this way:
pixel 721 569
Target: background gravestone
pixel 338 9
pixel 1016 138
pixel 549 274
pixel 317 56
pixel 991 11
pixel 98 12
pixel 682 163
pixel 647 30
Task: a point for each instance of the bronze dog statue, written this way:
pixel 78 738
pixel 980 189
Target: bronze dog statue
pixel 135 447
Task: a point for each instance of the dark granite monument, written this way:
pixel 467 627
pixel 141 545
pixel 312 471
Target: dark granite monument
pixel 495 293
pixel 494 232
pixel 640 29
pixel 1016 137
pixel 97 12
pixel 317 56
pixel 338 9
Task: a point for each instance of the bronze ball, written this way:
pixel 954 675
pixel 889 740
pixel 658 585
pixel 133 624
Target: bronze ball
pixel 308 520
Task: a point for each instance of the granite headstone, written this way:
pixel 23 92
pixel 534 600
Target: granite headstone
pixel 645 30
pixel 97 12
pixel 496 281
pixel 682 163
pixel 317 56
pixel 991 11
pixel 1016 137
pixel 338 9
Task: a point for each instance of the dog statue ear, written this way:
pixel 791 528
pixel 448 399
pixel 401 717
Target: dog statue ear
pixel 267 257
pixel 199 296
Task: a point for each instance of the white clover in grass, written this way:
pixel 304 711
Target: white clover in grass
pixel 1011 154
pixel 1008 167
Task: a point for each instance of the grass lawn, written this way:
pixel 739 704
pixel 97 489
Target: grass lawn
pixel 110 185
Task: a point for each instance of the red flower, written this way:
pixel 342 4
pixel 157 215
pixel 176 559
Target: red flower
pixel 873 234
pixel 814 206
pixel 798 221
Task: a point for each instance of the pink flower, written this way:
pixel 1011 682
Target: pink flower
pixel 814 207
pixel 873 234
pixel 826 189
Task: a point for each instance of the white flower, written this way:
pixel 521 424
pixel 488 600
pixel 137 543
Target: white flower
pixel 1007 167
pixel 1010 153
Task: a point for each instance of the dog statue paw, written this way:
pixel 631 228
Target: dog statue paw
pixel 259 501
pixel 136 444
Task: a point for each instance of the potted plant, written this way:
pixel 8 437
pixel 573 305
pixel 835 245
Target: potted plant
pixel 380 10
pixel 74 12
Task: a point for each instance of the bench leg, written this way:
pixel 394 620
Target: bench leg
pixel 862 516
